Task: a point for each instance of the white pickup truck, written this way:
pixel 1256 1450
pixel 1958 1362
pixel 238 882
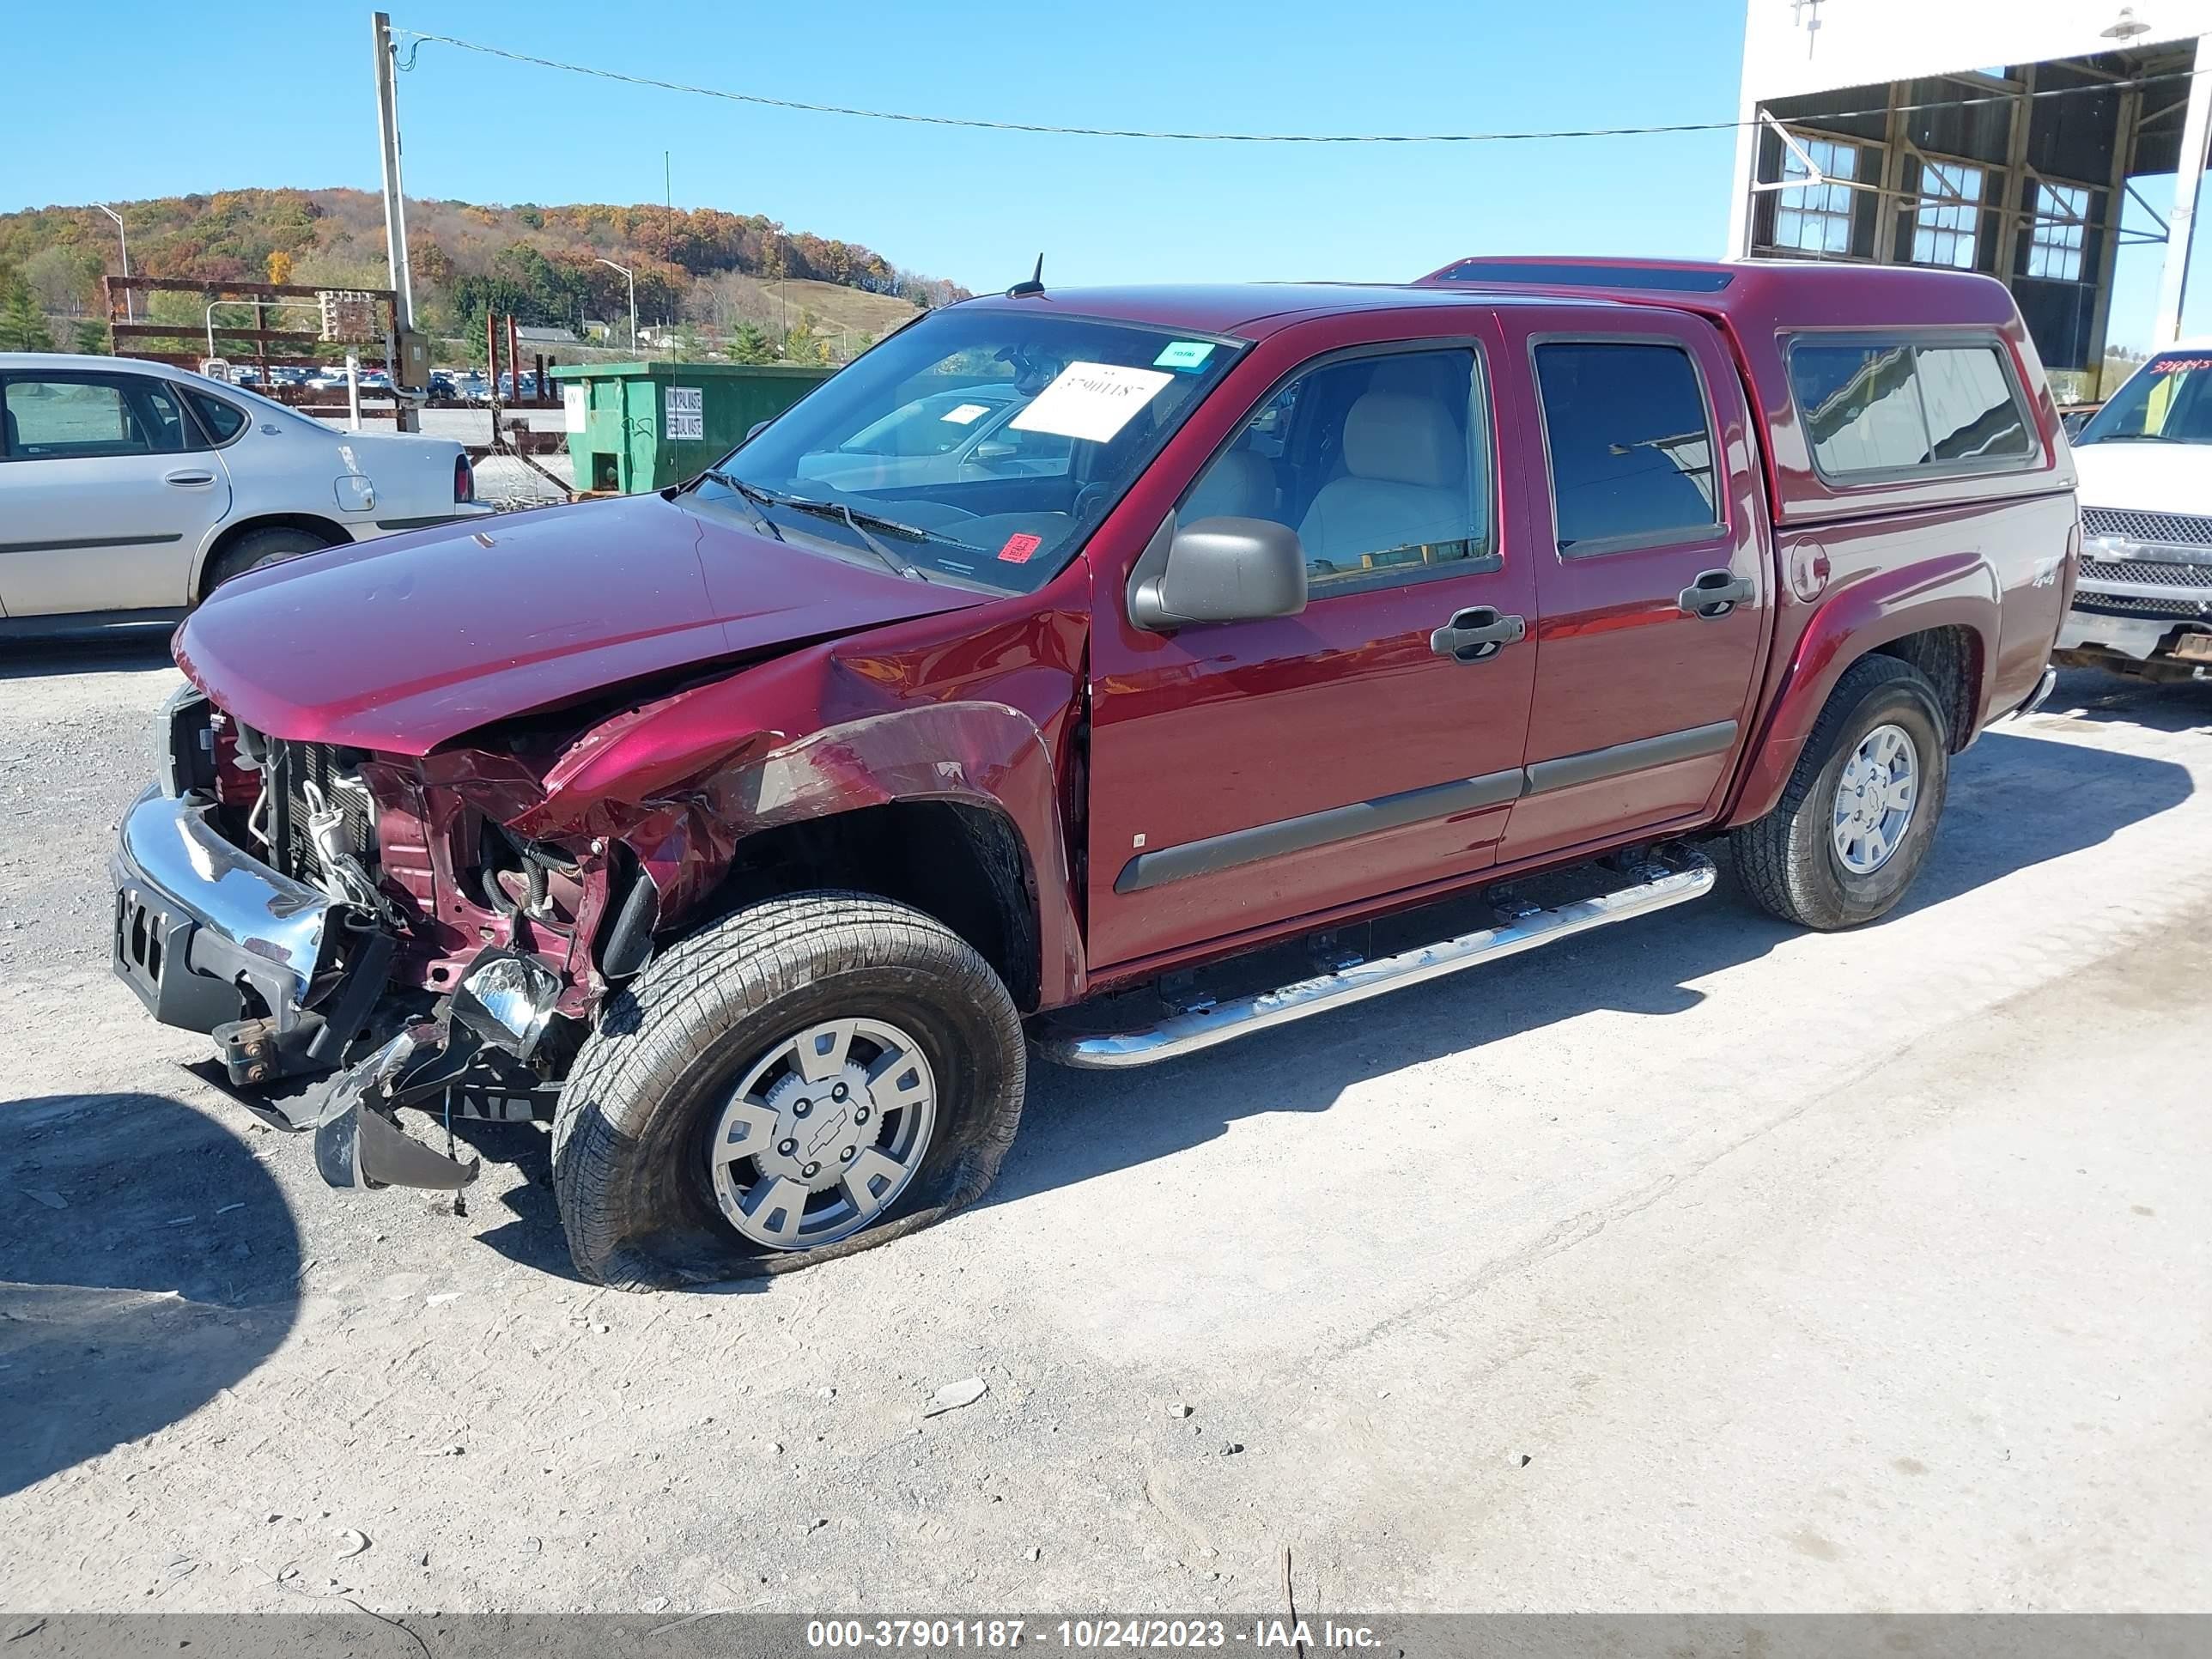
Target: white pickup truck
pixel 2143 603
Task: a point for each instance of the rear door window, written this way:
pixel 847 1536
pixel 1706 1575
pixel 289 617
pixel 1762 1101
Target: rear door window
pixel 1631 443
pixel 224 420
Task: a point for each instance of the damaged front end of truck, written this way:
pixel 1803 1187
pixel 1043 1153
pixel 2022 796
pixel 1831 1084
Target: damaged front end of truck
pixel 359 933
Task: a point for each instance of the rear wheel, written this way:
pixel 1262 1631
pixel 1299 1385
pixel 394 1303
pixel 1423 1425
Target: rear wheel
pixel 256 547
pixel 1858 815
pixel 807 1076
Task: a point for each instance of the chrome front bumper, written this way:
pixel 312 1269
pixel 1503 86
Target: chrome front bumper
pixel 213 941
pixel 200 924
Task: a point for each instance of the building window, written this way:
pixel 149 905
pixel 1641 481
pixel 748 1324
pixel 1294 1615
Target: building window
pixel 2054 245
pixel 1947 222
pixel 1816 218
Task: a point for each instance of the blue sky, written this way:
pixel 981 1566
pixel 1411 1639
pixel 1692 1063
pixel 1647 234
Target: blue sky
pixel 972 206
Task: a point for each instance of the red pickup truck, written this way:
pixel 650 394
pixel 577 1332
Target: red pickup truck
pixel 1290 644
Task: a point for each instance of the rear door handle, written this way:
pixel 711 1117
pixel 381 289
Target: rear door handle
pixel 1477 634
pixel 1715 593
pixel 189 480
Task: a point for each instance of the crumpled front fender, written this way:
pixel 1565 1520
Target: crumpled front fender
pixel 940 709
pixel 983 755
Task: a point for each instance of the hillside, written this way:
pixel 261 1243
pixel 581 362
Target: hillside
pixel 719 271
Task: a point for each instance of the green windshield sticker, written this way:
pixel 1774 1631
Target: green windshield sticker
pixel 1184 354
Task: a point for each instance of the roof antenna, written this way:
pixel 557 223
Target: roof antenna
pixel 1035 285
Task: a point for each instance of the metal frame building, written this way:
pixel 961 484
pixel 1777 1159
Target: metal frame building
pixel 1871 136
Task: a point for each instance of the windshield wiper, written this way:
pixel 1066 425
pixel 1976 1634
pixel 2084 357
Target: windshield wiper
pixel 857 523
pixel 2142 438
pixel 757 496
pixel 752 496
pixel 891 561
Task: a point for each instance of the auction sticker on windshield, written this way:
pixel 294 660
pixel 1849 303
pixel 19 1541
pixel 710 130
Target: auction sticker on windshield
pixel 1091 401
pixel 964 413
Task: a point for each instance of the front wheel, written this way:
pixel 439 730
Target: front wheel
pixel 809 1076
pixel 1858 815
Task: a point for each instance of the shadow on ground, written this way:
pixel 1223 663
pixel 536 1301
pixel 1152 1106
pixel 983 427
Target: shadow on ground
pixel 2103 699
pixel 530 1235
pixel 146 1262
pixel 2016 802
pixel 126 652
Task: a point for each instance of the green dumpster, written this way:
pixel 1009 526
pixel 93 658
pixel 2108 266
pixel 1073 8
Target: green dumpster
pixel 635 426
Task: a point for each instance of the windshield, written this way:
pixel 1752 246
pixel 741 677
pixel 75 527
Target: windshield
pixel 2167 400
pixel 982 443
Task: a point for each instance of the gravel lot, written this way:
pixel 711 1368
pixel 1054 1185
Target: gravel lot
pixel 1696 1264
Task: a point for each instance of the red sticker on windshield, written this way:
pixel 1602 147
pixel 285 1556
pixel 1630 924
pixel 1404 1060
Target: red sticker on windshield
pixel 1019 547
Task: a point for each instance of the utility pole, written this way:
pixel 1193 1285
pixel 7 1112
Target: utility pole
pixel 667 182
pixel 129 315
pixel 395 210
pixel 632 277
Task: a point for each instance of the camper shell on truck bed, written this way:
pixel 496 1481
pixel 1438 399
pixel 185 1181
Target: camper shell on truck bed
pixel 1290 645
pixel 1765 308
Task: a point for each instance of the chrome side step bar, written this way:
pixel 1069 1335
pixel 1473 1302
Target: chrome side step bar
pixel 1689 876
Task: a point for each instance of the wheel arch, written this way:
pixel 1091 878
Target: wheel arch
pixel 953 808
pixel 958 859
pixel 1940 616
pixel 228 536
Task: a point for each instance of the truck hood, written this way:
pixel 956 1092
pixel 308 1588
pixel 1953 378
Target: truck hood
pixel 404 643
pixel 2150 478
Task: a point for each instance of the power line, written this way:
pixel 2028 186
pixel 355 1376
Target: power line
pixel 978 124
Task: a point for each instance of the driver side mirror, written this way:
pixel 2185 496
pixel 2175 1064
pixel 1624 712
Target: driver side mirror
pixel 993 450
pixel 1218 570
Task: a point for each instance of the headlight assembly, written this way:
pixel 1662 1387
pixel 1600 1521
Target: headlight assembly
pixel 506 999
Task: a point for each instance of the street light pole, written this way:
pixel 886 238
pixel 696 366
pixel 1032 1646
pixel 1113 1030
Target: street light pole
pixel 630 276
pixel 129 315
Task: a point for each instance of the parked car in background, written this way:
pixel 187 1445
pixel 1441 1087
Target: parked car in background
pixel 443 385
pixel 2143 602
pixel 1370 632
pixel 128 491
pixel 970 431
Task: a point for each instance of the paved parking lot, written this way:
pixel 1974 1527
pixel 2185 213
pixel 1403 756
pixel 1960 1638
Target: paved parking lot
pixel 1694 1264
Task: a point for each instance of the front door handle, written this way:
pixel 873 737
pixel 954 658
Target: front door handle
pixel 1715 593
pixel 1477 634
pixel 188 479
